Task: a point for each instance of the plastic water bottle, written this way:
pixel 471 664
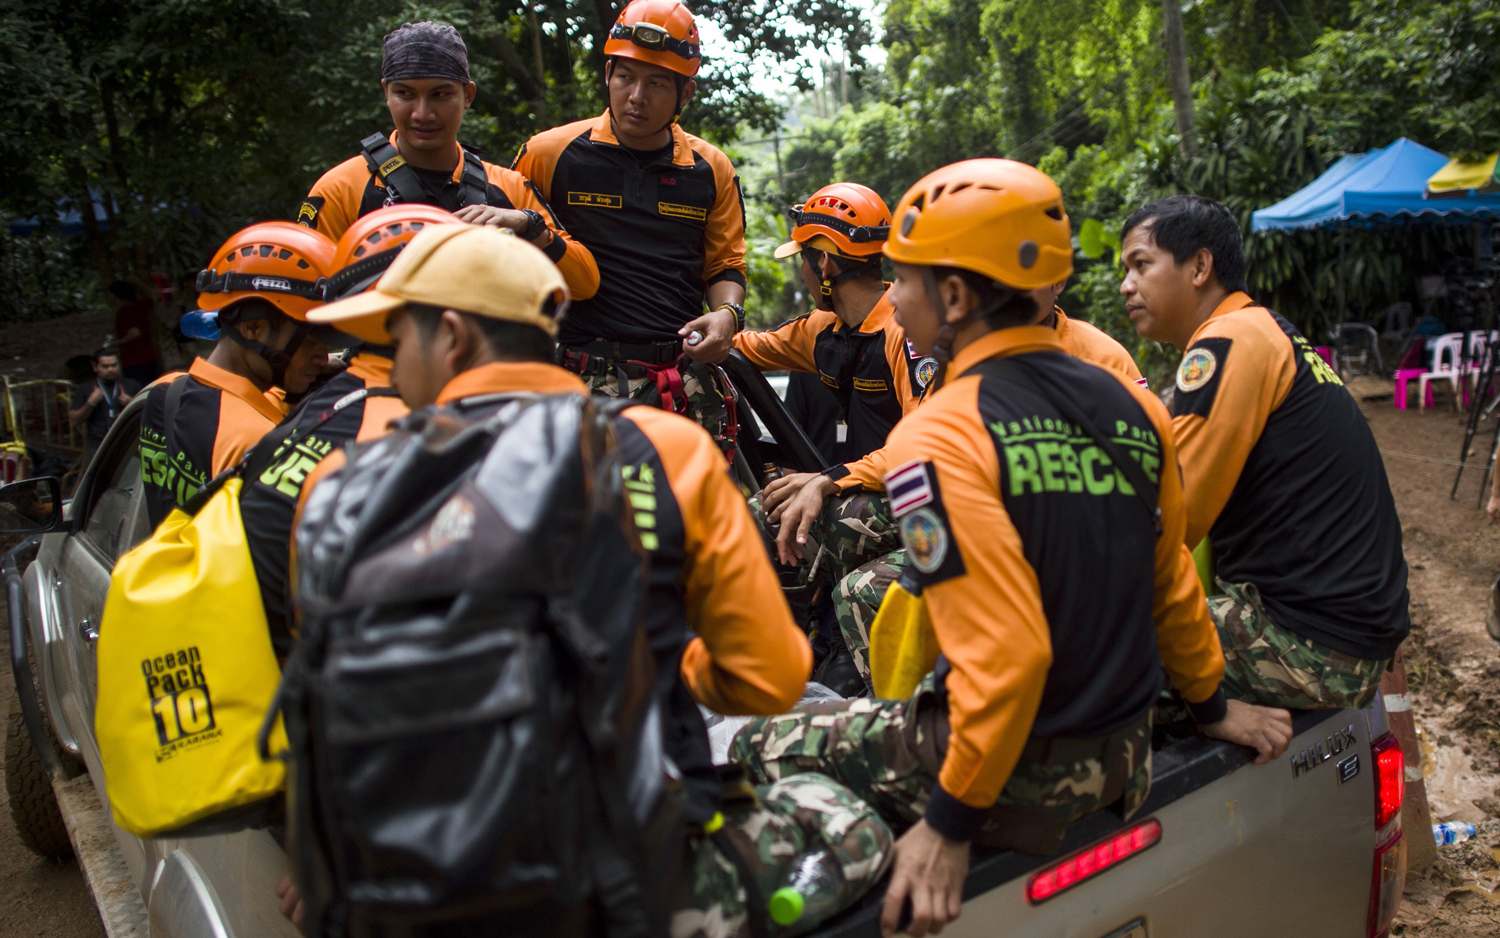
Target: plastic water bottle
pixel 1452 832
pixel 813 891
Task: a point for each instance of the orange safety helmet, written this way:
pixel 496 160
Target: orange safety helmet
pixel 277 261
pixel 852 216
pixel 657 32
pixel 370 244
pixel 998 218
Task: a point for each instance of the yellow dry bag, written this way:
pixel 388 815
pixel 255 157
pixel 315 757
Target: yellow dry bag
pixel 186 675
pixel 903 646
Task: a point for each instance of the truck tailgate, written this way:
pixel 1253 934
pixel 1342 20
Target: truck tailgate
pixel 1245 850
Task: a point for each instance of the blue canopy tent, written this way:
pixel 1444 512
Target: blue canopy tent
pixel 1381 187
pixel 69 221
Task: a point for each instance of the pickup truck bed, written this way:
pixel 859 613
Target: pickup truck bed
pixel 1245 850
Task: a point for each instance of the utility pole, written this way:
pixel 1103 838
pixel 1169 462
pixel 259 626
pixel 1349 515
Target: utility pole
pixel 1182 85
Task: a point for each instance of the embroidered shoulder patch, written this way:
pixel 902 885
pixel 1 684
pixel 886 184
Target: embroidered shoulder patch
pixel 1199 375
pixel 925 371
pixel 1197 369
pixel 909 487
pixel 926 539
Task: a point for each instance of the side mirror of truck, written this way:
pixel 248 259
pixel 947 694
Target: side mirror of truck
pixel 31 506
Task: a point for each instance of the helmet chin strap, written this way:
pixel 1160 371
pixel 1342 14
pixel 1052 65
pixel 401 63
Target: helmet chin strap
pixel 814 258
pixel 278 359
pixel 942 345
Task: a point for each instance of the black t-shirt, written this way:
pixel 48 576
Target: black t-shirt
pixel 105 412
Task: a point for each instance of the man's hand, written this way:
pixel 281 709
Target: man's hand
pixel 1494 509
pixel 95 396
pixel 797 516
pixel 717 328
pixel 930 870
pixel 511 218
pixel 1267 730
pixel 120 394
pixel 779 491
pixel 291 899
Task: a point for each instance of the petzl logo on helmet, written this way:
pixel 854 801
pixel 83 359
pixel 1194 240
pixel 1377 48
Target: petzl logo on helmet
pixel 1198 366
pixel 271 283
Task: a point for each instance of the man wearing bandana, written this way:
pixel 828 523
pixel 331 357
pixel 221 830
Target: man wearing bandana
pixel 425 75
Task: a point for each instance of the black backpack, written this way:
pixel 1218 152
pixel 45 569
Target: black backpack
pixel 474 742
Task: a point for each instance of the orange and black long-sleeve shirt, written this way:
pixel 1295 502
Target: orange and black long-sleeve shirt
pixel 1285 478
pixel 220 415
pixel 350 190
pixel 1080 339
pixel 870 370
pixel 720 630
pixel 1054 600
pixel 343 410
pixel 1087 341
pixel 663 225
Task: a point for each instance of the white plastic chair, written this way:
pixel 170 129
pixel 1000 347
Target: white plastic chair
pixel 1445 355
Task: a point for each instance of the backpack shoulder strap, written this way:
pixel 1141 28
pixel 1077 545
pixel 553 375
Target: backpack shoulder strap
pixel 476 184
pixel 386 162
pixel 1145 490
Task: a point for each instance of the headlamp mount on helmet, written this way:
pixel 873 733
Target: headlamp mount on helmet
pixel 859 234
pixel 657 39
pixel 211 281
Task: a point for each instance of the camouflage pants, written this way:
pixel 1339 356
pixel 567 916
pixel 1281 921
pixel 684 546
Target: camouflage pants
pixel 889 753
pixel 769 830
pixel 1267 664
pixel 857 541
pixel 700 384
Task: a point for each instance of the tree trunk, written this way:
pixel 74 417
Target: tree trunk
pixel 1182 85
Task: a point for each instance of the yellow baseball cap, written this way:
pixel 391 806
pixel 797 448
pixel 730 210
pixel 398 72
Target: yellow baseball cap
pixel 476 269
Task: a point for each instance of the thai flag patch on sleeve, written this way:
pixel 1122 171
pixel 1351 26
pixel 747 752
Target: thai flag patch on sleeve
pixel 911 351
pixel 1141 382
pixel 909 487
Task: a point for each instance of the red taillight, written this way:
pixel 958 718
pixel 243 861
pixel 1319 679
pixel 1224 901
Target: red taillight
pixel 1389 877
pixel 1390 778
pixel 1091 861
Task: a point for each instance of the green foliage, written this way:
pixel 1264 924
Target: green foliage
pixel 188 119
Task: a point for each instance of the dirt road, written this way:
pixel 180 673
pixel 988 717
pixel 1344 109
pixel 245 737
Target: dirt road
pixel 38 898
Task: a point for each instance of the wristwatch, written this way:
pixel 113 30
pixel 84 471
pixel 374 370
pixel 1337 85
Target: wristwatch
pixel 537 225
pixel 739 314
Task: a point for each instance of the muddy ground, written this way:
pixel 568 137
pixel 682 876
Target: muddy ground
pixel 1453 666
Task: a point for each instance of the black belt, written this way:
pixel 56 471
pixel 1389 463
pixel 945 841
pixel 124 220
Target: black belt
pixel 651 353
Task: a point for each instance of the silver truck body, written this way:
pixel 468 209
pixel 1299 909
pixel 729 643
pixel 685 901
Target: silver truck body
pixel 1244 851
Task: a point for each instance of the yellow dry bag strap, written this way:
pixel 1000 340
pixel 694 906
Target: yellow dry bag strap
pixel 903 646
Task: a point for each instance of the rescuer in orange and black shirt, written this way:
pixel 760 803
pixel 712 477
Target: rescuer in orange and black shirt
pixel 425 74
pixel 719 628
pixel 262 282
pixel 662 212
pixel 1283 474
pixel 851 340
pixel 1004 481
pixel 356 405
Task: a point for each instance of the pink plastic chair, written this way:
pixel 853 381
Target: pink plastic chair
pixel 1412 365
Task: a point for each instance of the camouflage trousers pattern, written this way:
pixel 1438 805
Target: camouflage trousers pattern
pixel 1267 664
pixel 858 542
pixel 889 752
pixel 705 398
pixel 769 830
